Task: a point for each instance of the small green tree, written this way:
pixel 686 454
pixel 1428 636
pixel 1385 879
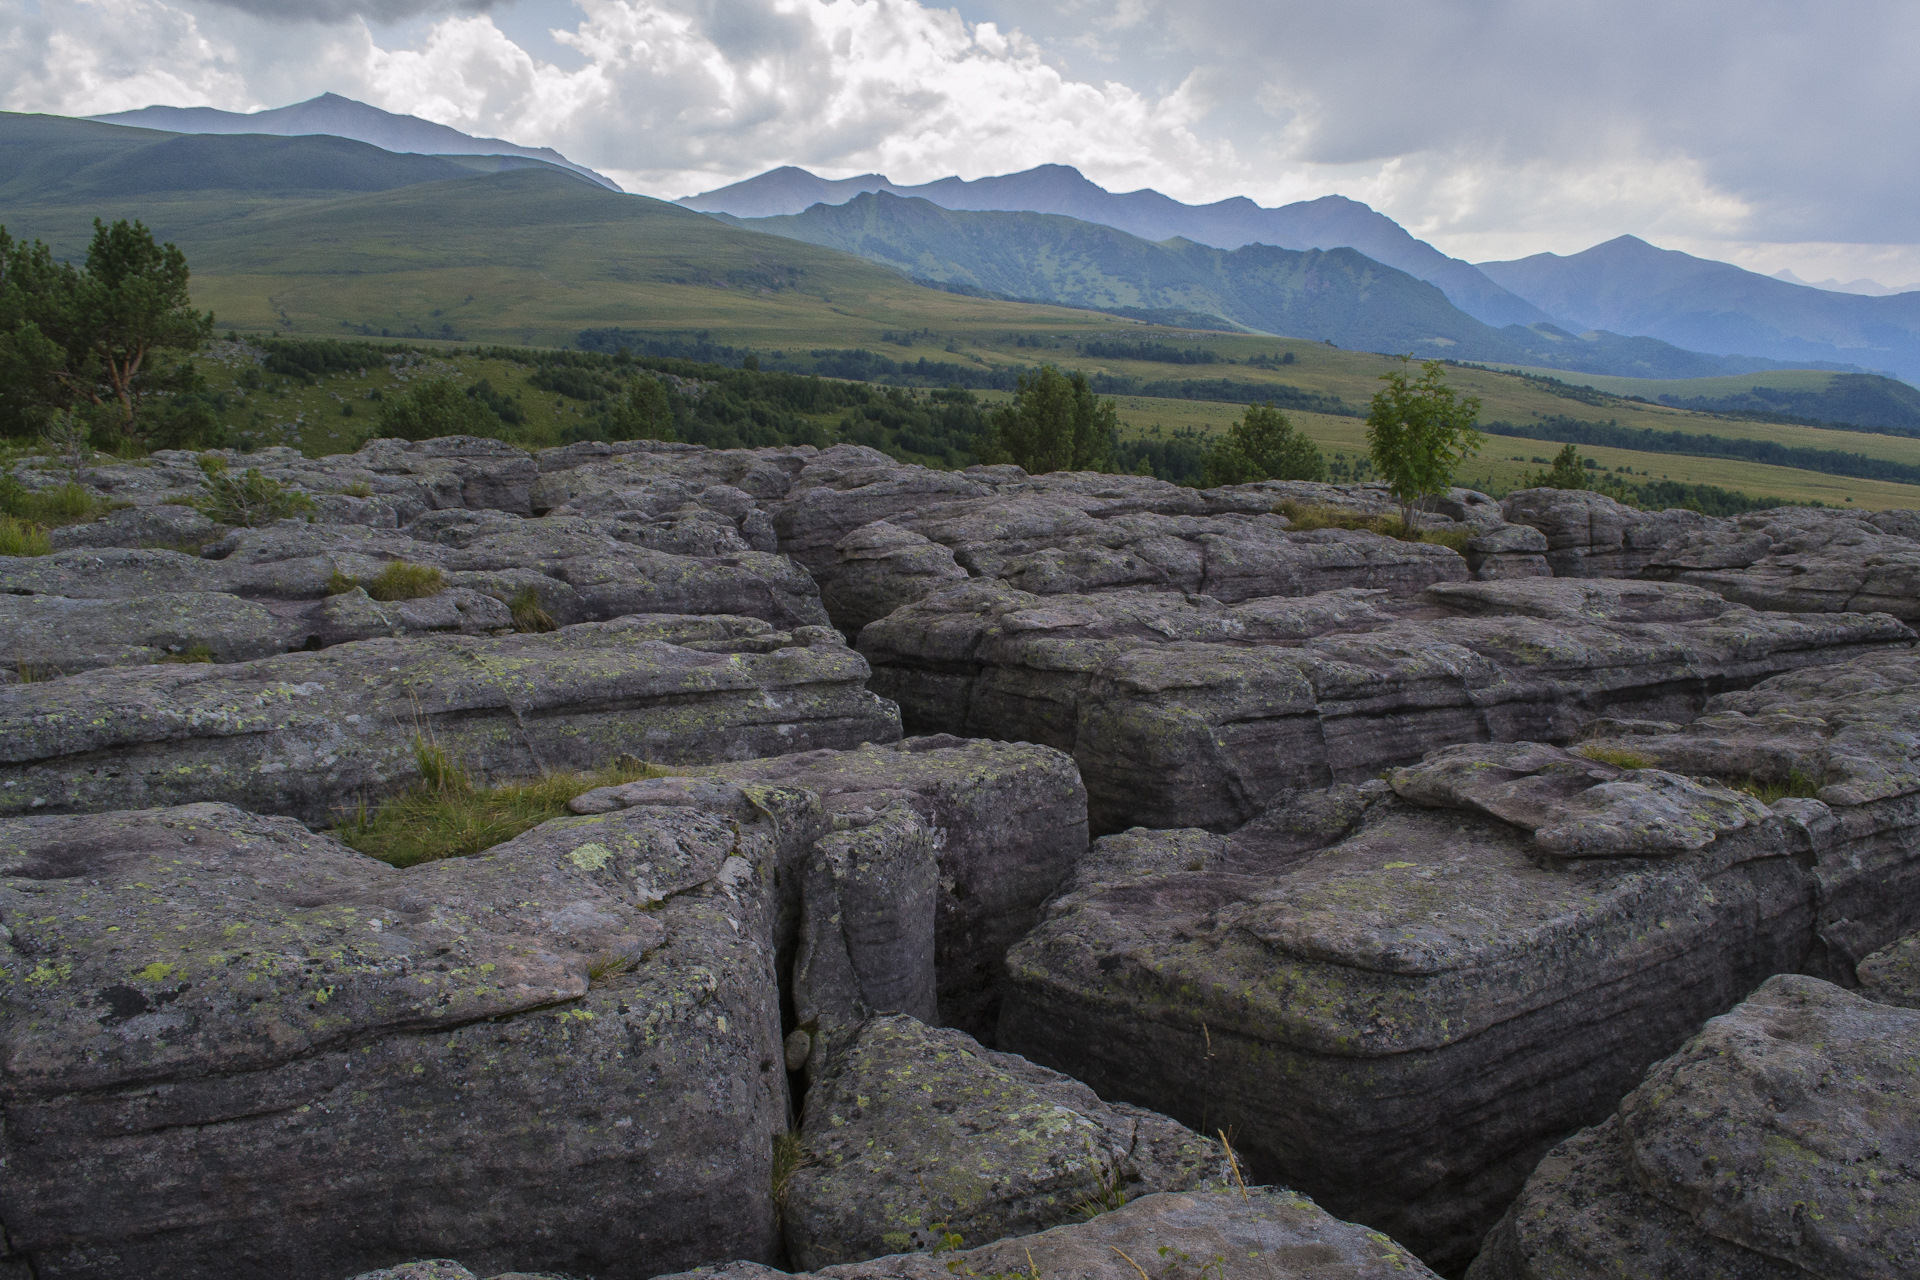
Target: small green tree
pixel 1055 423
pixel 1419 430
pixel 1569 471
pixel 437 407
pixel 1263 445
pixel 648 411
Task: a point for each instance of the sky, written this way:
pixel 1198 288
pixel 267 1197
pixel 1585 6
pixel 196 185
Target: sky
pixel 1770 134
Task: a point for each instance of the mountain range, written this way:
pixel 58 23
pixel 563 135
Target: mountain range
pixel 1623 287
pixel 1331 222
pixel 343 118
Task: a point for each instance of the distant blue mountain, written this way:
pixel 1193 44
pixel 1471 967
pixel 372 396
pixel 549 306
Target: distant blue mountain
pixel 1332 222
pixel 1629 286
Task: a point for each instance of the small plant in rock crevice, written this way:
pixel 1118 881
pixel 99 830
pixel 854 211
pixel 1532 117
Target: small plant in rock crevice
pixel 248 500
pixel 528 616
pixel 404 580
pixel 198 651
pixel 1795 786
pixel 1619 757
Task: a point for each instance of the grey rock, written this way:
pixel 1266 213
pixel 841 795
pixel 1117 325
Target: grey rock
pixel 430 1269
pixel 1803 560
pixel 304 733
pixel 46 636
pixel 1168 1236
pixel 1891 975
pixel 1589 535
pixel 1779 1142
pixel 1508 551
pixel 1399 1008
pixel 295 1062
pixel 154 525
pixel 914 1134
pixel 1004 825
pixel 1182 711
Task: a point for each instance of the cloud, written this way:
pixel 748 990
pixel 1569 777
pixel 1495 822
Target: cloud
pixel 98 56
pixel 335 11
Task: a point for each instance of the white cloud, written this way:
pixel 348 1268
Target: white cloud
pixel 90 57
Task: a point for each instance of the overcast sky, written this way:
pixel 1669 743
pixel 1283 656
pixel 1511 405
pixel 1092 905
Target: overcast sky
pixel 1768 133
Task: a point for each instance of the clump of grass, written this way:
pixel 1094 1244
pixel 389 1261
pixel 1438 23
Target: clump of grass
pixel 198 651
pixel 23 538
pixel 448 815
pixel 338 584
pixel 68 503
pixel 404 580
pixel 1109 1197
pixel 527 613
pixel 1307 516
pixel 789 1157
pixel 246 501
pixel 31 674
pixel 1795 786
pixel 1606 753
pixel 358 489
pixel 605 968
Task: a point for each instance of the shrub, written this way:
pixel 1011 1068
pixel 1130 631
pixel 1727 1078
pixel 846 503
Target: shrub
pixel 447 815
pixel 1055 423
pixel 249 500
pixel 437 407
pixel 1263 445
pixel 23 538
pixel 404 580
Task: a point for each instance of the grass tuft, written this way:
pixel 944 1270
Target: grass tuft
pixel 404 580
pixel 248 500
pixel 63 504
pixel 1619 757
pixel 198 651
pixel 789 1157
pixel 1307 516
pixel 23 538
pixel 527 614
pixel 1796 786
pixel 447 815
pixel 338 584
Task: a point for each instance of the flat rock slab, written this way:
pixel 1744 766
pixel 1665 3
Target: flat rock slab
pixel 1005 824
pixel 1171 1236
pixel 915 1135
pixel 1779 1142
pixel 1802 560
pixel 307 733
pixel 1183 711
pixel 1401 995
pixel 233 1047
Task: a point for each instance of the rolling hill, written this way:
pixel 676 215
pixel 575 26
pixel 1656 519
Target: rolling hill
pixel 1630 286
pixel 1331 222
pixel 344 118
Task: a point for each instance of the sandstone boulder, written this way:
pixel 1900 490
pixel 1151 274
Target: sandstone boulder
pixel 1779 1142
pixel 914 1135
pixel 980 834
pixel 1184 711
pixel 307 733
pixel 1195 1235
pixel 235 1048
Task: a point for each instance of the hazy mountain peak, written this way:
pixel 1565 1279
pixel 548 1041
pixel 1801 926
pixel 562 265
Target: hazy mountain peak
pixel 342 117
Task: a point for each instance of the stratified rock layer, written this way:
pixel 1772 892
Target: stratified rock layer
pixel 307 733
pixel 1400 996
pixel 236 1048
pixel 1781 1142
pixel 1184 711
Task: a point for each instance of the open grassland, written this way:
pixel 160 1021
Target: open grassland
pixel 1705 388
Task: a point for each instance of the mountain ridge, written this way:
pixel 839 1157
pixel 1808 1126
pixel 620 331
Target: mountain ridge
pixel 1330 222
pixel 341 117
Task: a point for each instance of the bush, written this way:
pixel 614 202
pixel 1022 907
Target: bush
pixel 249 500
pixel 404 580
pixel 1055 424
pixel 437 407
pixel 1263 445
pixel 23 538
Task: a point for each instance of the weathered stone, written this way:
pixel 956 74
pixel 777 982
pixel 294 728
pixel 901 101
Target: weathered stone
pixel 43 636
pixel 1802 560
pixel 304 733
pixel 1005 824
pixel 1779 1142
pixel 1170 1236
pixel 915 1134
pixel 1508 551
pixel 235 1048
pixel 1891 975
pixel 154 525
pixel 1589 535
pixel 1183 711
pixel 1399 1008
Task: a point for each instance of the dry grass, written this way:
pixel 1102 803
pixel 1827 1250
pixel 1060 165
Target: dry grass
pixel 447 815
pixel 1620 757
pixel 404 580
pixel 1796 786
pixel 23 538
pixel 527 613
pixel 1307 516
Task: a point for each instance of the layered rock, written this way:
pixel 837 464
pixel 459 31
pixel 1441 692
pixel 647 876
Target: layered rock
pixel 237 1048
pixel 1400 995
pixel 1891 975
pixel 1181 710
pixel 1589 535
pixel 977 834
pixel 916 1138
pixel 1802 559
pixel 1779 1142
pixel 1171 1236
pixel 306 733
